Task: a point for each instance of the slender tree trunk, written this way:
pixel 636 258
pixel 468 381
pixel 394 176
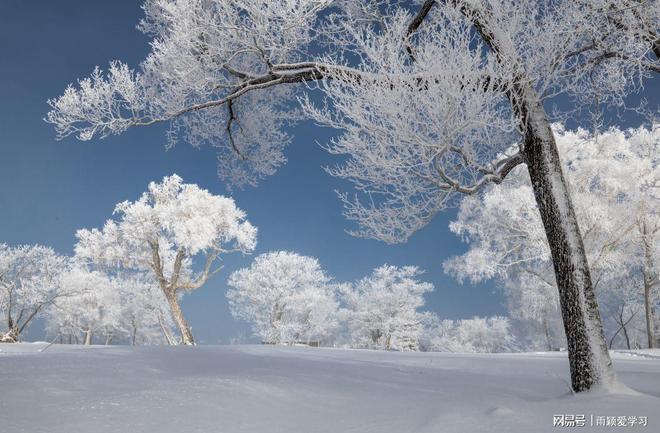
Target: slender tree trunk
pixel 650 279
pixel 166 333
pixel 613 337
pixel 589 359
pixel 108 338
pixel 134 334
pixel 169 290
pixel 648 313
pixel 546 331
pixel 186 334
pixel 11 336
pixel 275 323
pixel 625 331
pixel 88 337
pixel 10 321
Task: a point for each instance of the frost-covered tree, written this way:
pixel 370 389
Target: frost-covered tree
pixel 286 298
pixel 90 305
pixel 145 316
pixel 167 230
pixel 428 101
pixel 382 309
pixel 122 307
pixel 28 285
pixel 621 301
pixel 614 208
pixel 479 334
pixel 643 201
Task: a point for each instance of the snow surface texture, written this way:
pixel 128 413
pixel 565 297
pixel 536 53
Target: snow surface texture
pixel 226 389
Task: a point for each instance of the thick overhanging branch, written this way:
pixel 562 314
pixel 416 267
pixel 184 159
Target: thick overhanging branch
pixel 292 73
pixel 284 75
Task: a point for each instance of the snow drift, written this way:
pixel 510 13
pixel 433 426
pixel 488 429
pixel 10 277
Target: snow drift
pixel 273 389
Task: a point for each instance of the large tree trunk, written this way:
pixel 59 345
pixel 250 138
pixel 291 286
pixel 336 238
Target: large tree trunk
pixel 589 359
pixel 186 334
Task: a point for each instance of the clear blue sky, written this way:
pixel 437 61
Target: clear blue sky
pixel 50 188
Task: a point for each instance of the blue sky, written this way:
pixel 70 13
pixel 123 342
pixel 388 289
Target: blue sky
pixel 50 188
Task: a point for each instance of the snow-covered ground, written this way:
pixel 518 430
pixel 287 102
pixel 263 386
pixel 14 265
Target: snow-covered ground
pixel 225 389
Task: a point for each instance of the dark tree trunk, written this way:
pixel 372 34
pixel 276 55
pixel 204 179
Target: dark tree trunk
pixel 589 359
pixel 625 335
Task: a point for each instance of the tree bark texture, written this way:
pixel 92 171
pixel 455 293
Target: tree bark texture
pixel 589 359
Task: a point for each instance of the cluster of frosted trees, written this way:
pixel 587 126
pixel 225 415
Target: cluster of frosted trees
pixel 95 307
pixel 124 283
pixel 615 181
pixel 79 303
pixel 288 299
pixel 125 280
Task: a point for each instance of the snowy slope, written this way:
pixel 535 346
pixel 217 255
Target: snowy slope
pixel 225 389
